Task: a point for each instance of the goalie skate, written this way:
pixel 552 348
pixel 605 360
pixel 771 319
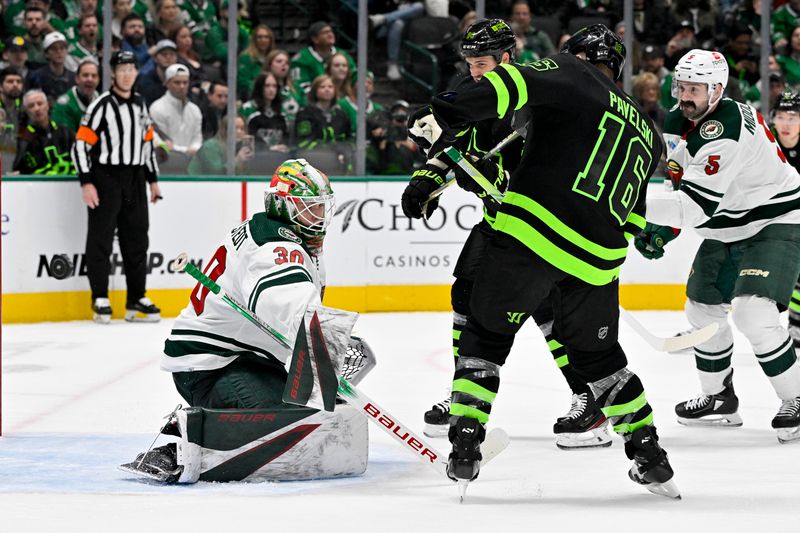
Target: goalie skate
pixel 159 464
pixel 584 426
pixel 711 410
pixel 142 311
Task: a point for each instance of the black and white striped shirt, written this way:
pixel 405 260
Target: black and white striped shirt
pixel 115 131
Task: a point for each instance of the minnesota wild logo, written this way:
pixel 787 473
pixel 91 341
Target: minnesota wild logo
pixel 711 129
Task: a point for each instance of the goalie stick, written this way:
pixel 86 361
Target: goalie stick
pixel 496 440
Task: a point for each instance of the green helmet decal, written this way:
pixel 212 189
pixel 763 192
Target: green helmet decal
pixel 301 196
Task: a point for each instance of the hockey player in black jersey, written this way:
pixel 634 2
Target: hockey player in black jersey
pixel 786 123
pixel 486 44
pixel 563 227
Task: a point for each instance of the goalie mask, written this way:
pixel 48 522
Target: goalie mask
pixel 301 196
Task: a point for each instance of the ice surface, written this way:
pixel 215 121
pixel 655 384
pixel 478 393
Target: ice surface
pixel 79 399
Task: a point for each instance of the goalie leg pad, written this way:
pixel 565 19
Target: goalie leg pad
pixel 277 445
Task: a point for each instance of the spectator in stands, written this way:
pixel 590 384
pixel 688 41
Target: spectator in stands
pixel 391 25
pixel 71 25
pixel 253 59
pixel 701 14
pixel 349 104
pixel 199 16
pixel 651 22
pixel 215 46
pixel 70 108
pixel 790 59
pixel 120 10
pixel 646 91
pixel 683 39
pixel 292 96
pixel 11 85
pixel 214 106
pixel 523 55
pixel 535 39
pixel 322 120
pixel 309 62
pixel 179 121
pixel 35 29
pixel 784 20
pixel 133 39
pixel 263 117
pixel 43 146
pixel 54 79
pixel 211 158
pixel 338 69
pixel 151 84
pixel 748 14
pixel 390 151
pixel 184 43
pixel 738 52
pixel 16 55
pixel 167 18
pixel 86 45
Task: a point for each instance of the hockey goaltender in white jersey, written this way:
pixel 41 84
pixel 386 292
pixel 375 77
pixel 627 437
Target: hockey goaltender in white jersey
pixel 233 375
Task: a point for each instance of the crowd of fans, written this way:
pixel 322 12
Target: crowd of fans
pixel 304 101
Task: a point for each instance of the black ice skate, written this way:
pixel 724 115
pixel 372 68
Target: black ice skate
pixel 584 426
pixel 101 308
pixel 464 462
pixel 160 464
pixel 787 421
pixel 142 311
pixel 715 410
pixel 650 465
pixel 437 419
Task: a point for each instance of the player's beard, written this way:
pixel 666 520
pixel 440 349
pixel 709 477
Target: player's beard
pixel 690 110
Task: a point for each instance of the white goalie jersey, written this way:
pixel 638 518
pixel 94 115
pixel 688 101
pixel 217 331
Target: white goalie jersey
pixel 734 179
pixel 262 264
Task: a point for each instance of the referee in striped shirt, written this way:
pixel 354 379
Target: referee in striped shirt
pixel 114 155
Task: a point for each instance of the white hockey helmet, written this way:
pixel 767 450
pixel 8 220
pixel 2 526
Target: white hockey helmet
pixel 701 66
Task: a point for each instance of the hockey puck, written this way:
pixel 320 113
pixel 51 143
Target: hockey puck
pixel 60 267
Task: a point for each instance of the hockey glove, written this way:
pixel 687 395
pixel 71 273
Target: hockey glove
pixel 423 182
pixel 651 241
pixel 423 128
pixel 490 170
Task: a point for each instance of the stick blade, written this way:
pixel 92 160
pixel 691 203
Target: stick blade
pixel 683 342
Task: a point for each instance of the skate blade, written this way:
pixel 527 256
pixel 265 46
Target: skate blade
pixel 148 473
pixel 789 435
pixel 732 420
pixel 102 319
pixel 136 316
pixel 596 438
pixel 436 430
pixel 462 489
pixel 668 489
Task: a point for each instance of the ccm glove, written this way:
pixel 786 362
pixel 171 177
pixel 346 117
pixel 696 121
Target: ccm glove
pixel 651 241
pixel 423 182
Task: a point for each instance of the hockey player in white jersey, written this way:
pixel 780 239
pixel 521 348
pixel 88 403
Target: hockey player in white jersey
pixel 737 191
pixel 233 375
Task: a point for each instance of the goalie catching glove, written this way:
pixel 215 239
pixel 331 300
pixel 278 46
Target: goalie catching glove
pixel 423 182
pixel 652 240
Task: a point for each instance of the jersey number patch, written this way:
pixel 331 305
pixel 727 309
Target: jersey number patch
pixel 629 168
pixel 214 270
pixel 284 256
pixel 713 165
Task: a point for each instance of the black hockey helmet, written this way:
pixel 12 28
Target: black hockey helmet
pixel 600 45
pixel 489 37
pixel 788 101
pixel 123 57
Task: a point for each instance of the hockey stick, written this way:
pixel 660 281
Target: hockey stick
pixel 495 442
pixel 669 344
pixel 499 146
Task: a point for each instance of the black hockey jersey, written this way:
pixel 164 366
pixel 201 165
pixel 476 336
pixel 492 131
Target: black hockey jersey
pixel 578 193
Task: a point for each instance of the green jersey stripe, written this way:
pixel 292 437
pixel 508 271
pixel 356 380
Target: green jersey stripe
pixel 175 335
pixel 686 183
pixel 298 277
pixel 181 348
pixel 271 276
pixel 762 212
pixel 708 206
pixel 554 255
pixel 522 89
pixel 502 92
